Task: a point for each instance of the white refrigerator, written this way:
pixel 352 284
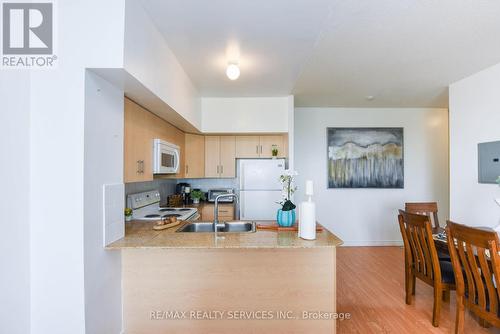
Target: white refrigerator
pixel 260 188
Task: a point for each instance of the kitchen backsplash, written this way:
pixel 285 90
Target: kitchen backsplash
pixel 166 187
pixel 205 184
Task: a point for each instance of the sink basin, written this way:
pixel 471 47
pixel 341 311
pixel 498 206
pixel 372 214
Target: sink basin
pixel 229 227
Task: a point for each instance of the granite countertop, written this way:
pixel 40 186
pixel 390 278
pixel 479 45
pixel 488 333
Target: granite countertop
pixel 140 234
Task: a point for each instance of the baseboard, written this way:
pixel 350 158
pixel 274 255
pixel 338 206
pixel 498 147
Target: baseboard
pixel 372 243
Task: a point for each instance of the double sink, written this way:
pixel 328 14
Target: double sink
pixel 225 227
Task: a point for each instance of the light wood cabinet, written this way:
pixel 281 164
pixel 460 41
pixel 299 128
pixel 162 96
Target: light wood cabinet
pixel 212 156
pixel 226 212
pixel 227 156
pixel 247 146
pixel 140 128
pixel 220 158
pixel 260 146
pixel 195 156
pixel 268 142
pixel 138 154
pixel 201 156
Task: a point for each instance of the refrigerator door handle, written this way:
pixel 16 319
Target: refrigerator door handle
pixel 242 174
pixel 242 209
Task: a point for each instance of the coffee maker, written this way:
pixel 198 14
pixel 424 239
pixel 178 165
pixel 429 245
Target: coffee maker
pixel 184 189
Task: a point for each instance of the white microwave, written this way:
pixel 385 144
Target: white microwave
pixel 166 157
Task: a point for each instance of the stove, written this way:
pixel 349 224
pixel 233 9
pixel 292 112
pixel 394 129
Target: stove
pixel 146 206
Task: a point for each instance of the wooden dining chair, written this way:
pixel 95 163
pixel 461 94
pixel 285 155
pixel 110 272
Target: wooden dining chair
pixel 422 262
pixel 475 260
pixel 429 209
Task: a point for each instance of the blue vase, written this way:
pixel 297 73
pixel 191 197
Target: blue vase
pixel 285 218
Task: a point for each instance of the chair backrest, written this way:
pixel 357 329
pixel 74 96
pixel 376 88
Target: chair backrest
pixel 474 254
pixel 429 209
pixel 420 250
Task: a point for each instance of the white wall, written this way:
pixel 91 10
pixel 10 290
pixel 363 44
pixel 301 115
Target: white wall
pixel 149 59
pixel 103 164
pixel 368 216
pixel 57 163
pixel 474 118
pixel 14 171
pixel 245 114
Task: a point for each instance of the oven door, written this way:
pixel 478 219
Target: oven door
pixel 166 159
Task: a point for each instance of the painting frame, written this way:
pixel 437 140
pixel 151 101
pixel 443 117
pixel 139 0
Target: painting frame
pixel 397 131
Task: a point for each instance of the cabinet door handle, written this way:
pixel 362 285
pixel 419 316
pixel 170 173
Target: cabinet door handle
pixel 222 169
pixel 138 166
pixel 217 169
pixel 257 149
pixel 142 166
pixel 260 149
pixel 187 169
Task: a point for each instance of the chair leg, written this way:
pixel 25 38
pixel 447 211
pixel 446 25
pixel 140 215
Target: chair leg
pixel 438 294
pixel 414 283
pixel 408 287
pixel 483 323
pixel 459 319
pixel 446 295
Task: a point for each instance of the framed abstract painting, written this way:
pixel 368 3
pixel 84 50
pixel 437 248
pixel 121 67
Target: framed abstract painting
pixel 365 157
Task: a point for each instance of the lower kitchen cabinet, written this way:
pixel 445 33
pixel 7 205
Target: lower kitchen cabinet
pixel 226 212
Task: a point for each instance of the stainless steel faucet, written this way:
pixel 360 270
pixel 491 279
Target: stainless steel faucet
pixel 216 209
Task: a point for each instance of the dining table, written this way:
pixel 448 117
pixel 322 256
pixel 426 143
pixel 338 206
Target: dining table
pixel 440 243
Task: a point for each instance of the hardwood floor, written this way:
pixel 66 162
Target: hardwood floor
pixel 370 286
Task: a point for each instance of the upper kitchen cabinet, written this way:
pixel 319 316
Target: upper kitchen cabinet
pixel 247 146
pixel 268 143
pixel 227 156
pixel 195 156
pixel 260 146
pixel 138 153
pixel 141 127
pixel 220 156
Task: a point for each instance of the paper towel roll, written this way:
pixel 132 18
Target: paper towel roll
pixel 307 221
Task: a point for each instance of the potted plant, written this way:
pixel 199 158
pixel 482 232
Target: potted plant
pixel 196 195
pixel 128 214
pixel 286 215
pixel 274 151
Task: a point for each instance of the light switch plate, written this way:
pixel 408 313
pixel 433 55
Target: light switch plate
pixel 113 212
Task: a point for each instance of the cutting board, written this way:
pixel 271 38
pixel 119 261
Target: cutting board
pixel 277 228
pixel 159 226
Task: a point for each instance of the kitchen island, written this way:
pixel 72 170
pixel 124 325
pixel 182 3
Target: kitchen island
pixel 262 282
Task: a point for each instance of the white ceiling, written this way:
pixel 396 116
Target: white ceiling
pixel 332 52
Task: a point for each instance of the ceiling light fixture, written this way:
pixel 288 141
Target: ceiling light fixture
pixel 233 71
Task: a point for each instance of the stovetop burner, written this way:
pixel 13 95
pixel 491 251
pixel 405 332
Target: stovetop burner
pixel 184 209
pixel 167 209
pixel 152 216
